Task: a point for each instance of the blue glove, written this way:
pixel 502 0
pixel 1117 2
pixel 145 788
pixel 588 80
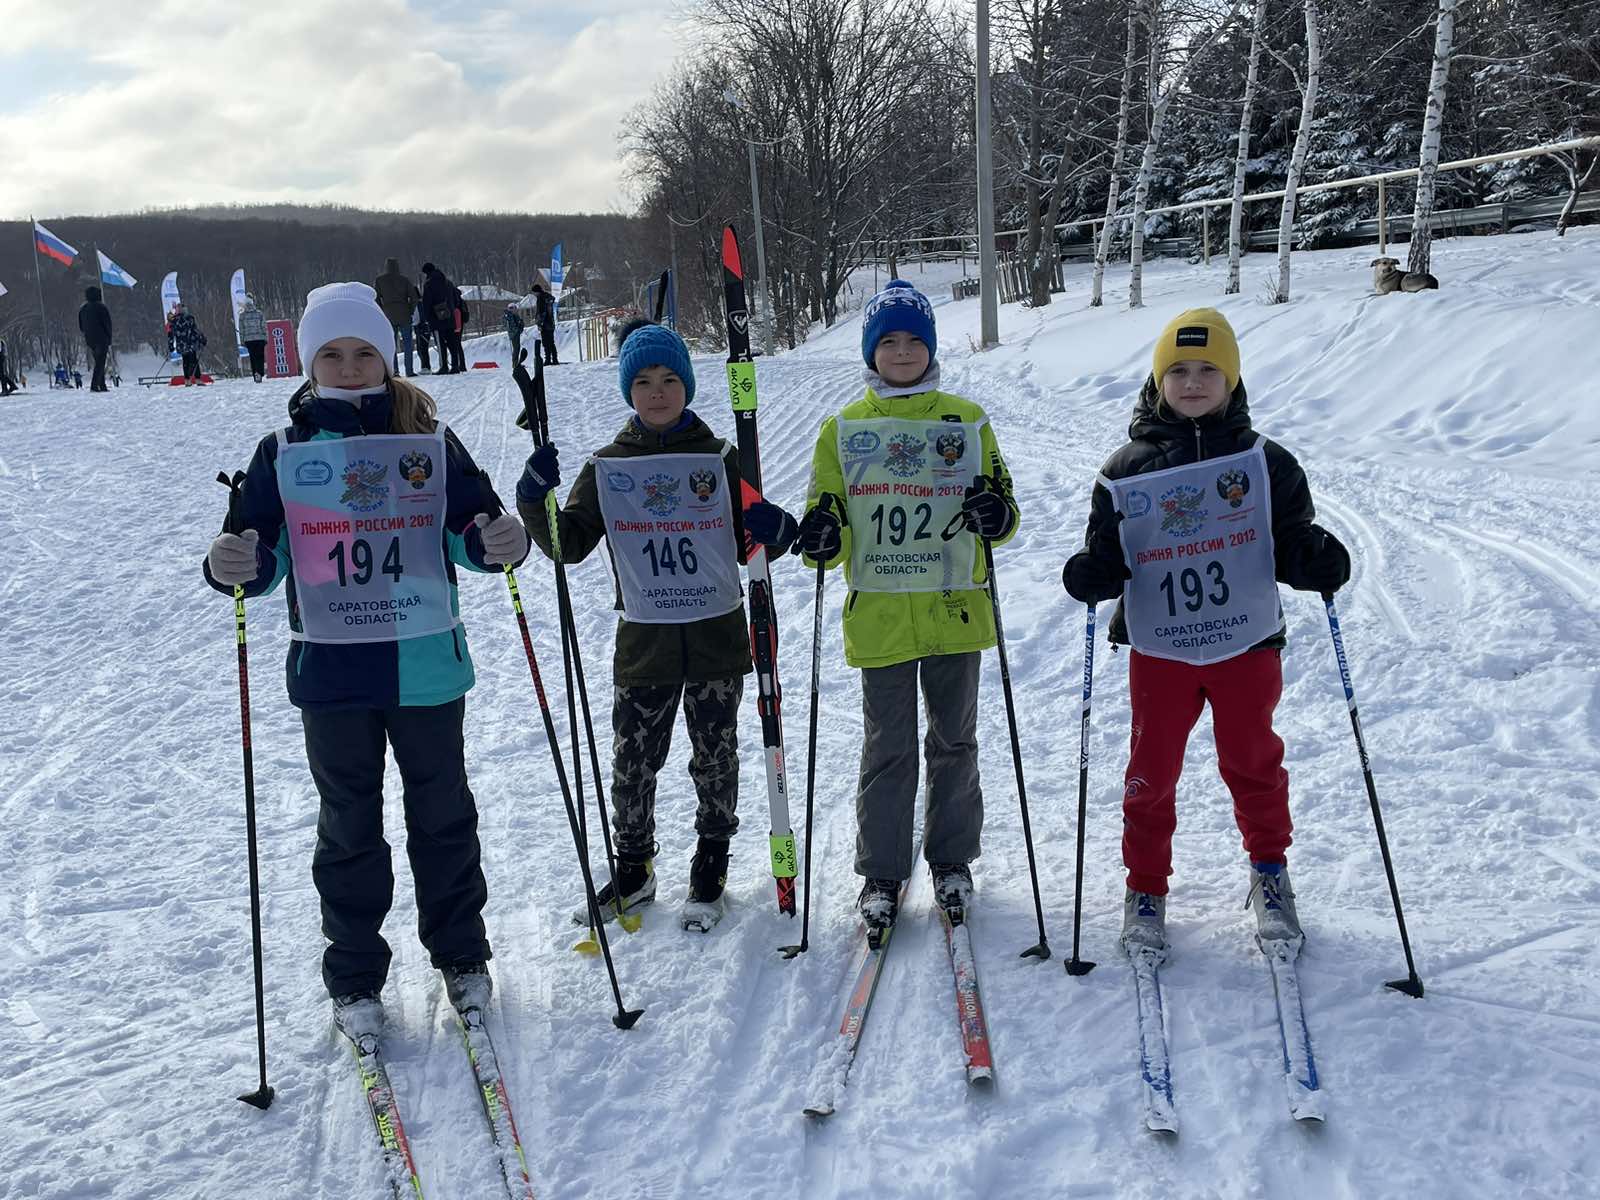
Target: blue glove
pixel 985 509
pixel 770 526
pixel 541 475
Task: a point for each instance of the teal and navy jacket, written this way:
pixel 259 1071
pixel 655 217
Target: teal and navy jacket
pixel 428 670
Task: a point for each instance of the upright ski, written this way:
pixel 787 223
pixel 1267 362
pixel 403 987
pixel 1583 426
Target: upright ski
pixel 833 1071
pixel 763 619
pixel 496 1104
pixel 1155 1066
pixel 1299 1063
pixel 398 1166
pixel 970 1018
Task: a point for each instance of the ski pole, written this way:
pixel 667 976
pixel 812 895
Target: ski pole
pixel 825 502
pixel 1412 984
pixel 956 525
pixel 625 1018
pixel 1076 965
pixel 262 1096
pixel 1042 950
pixel 536 412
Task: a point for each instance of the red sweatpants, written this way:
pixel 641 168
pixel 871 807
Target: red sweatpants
pixel 1167 698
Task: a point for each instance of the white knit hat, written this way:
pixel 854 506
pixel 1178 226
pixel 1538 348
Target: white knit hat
pixel 338 310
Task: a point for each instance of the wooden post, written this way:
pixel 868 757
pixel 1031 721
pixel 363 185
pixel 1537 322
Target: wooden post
pixel 1383 222
pixel 1205 234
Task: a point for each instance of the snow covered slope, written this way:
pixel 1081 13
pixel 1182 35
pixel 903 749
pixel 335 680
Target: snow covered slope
pixel 1452 441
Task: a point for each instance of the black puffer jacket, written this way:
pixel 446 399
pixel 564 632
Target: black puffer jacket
pixel 1160 439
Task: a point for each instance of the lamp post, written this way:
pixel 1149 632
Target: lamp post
pixel 988 274
pixel 767 317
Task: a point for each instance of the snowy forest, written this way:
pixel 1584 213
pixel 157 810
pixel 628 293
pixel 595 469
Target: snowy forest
pixel 861 118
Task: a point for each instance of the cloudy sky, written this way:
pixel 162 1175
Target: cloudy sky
pixel 112 106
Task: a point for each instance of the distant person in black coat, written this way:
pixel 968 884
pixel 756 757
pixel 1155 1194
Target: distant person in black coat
pixel 545 314
pixel 439 305
pixel 7 384
pixel 184 336
pixel 94 321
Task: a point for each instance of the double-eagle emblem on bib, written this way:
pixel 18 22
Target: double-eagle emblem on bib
pixel 1233 485
pixel 417 468
pixel 703 484
pixel 950 447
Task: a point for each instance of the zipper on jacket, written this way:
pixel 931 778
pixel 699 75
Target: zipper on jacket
pixel 850 602
pixel 455 641
pixel 1199 441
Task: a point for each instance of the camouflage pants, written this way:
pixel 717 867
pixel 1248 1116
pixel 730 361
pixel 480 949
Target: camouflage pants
pixel 641 719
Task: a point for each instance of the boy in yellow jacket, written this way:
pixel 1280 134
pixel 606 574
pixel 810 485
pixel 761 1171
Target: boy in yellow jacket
pixel 918 478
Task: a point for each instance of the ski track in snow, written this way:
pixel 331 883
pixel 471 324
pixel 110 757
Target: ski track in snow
pixel 1447 444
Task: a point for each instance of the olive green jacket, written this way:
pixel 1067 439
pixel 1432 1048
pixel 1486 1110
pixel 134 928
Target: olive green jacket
pixel 650 655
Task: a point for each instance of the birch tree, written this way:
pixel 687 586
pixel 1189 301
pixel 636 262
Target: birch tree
pixel 1163 86
pixel 1302 144
pixel 1417 257
pixel 1103 248
pixel 1242 157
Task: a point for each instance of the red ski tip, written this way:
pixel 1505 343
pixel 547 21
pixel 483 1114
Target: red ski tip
pixel 730 251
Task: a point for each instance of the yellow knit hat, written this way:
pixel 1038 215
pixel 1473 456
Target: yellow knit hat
pixel 1202 333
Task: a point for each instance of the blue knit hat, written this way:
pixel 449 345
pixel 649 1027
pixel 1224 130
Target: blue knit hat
pixel 898 307
pixel 654 346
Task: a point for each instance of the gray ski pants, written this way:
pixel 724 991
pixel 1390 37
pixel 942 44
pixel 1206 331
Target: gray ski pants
pixel 641 722
pixel 886 796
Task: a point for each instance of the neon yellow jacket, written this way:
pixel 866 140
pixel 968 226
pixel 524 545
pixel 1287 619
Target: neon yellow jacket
pixel 885 628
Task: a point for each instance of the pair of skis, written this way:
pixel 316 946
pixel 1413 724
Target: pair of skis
pixel 1301 1085
pixel 400 1168
pixel 833 1071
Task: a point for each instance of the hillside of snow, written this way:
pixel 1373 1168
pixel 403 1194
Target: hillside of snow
pixel 1452 442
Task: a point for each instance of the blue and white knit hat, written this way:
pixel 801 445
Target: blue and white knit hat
pixel 898 307
pixel 654 346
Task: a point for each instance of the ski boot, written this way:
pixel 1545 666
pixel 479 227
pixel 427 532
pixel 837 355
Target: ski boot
pixel 468 984
pixel 952 888
pixel 358 1015
pixel 1272 899
pixel 1144 924
pixel 879 904
pixel 708 876
pixel 636 880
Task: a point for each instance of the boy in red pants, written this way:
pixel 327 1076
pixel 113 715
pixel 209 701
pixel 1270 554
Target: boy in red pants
pixel 1193 524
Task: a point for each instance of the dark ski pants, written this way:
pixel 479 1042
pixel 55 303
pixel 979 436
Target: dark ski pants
pixel 97 382
pixel 191 365
pixel 351 865
pixel 1167 698
pixel 422 347
pixel 641 721
pixel 258 358
pixel 452 356
pixel 547 336
pixel 886 796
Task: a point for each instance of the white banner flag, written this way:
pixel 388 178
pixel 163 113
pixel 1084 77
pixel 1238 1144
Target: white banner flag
pixel 169 293
pixel 236 286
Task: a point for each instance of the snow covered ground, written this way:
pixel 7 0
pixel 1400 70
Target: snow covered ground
pixel 1452 440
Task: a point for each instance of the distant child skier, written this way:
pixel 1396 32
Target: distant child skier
pixel 1192 524
pixel 892 473
pixel 667 498
pixel 366 505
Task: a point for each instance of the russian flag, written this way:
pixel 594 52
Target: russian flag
pixel 51 246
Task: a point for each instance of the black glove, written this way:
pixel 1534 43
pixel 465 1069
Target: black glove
pixel 541 474
pixel 821 533
pixel 1098 571
pixel 1323 564
pixel 770 526
pixel 985 509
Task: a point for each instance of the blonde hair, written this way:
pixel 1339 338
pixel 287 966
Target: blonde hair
pixel 412 410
